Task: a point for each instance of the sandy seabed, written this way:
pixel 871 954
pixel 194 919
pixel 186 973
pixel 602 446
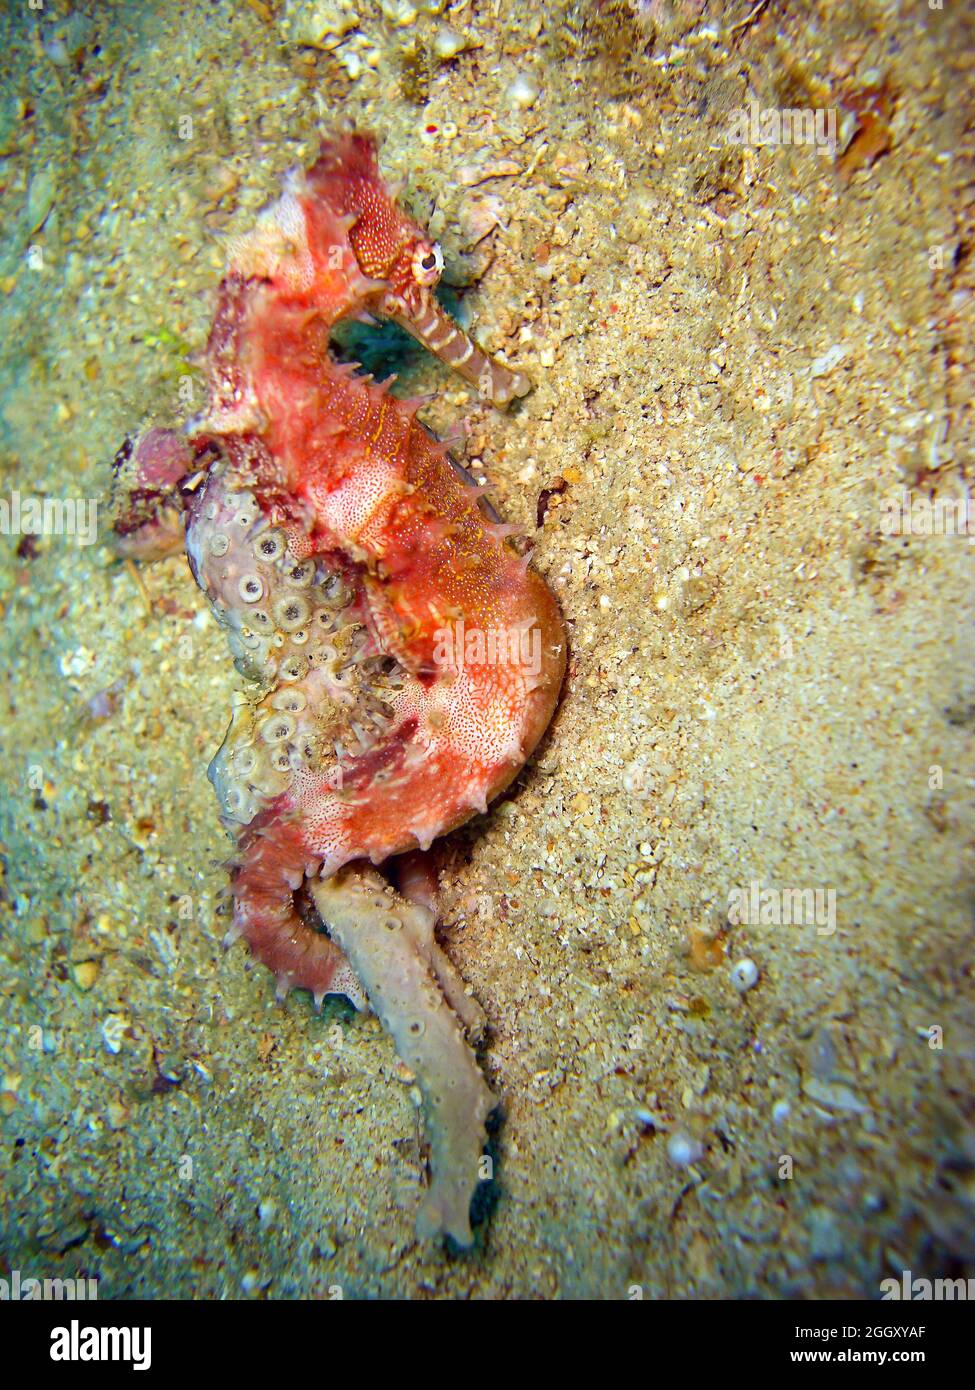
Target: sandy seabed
pixel 745 354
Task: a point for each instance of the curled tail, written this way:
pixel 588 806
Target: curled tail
pixel 269 874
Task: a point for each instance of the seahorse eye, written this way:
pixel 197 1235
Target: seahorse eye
pixel 427 264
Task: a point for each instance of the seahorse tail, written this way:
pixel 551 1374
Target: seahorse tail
pixel 269 871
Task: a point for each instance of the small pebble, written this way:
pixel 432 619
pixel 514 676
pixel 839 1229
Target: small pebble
pixel 118 1114
pixel 400 13
pixel 682 1150
pixel 823 365
pixel 735 225
pixel 114 1029
pixel 447 43
pixel 41 197
pixel 57 50
pixel 522 92
pixel 834 1095
pixel 86 973
pixel 744 974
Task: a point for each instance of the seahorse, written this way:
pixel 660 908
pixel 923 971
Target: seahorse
pixel 404 657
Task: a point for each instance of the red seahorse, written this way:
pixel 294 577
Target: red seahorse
pixel 406 658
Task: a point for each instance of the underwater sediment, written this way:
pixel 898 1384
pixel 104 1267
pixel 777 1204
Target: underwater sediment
pixel 722 917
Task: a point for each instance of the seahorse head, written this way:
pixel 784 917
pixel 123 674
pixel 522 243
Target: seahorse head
pixel 388 245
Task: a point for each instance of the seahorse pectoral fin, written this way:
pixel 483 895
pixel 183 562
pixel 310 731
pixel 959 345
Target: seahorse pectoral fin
pixel 436 330
pixel 387 941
